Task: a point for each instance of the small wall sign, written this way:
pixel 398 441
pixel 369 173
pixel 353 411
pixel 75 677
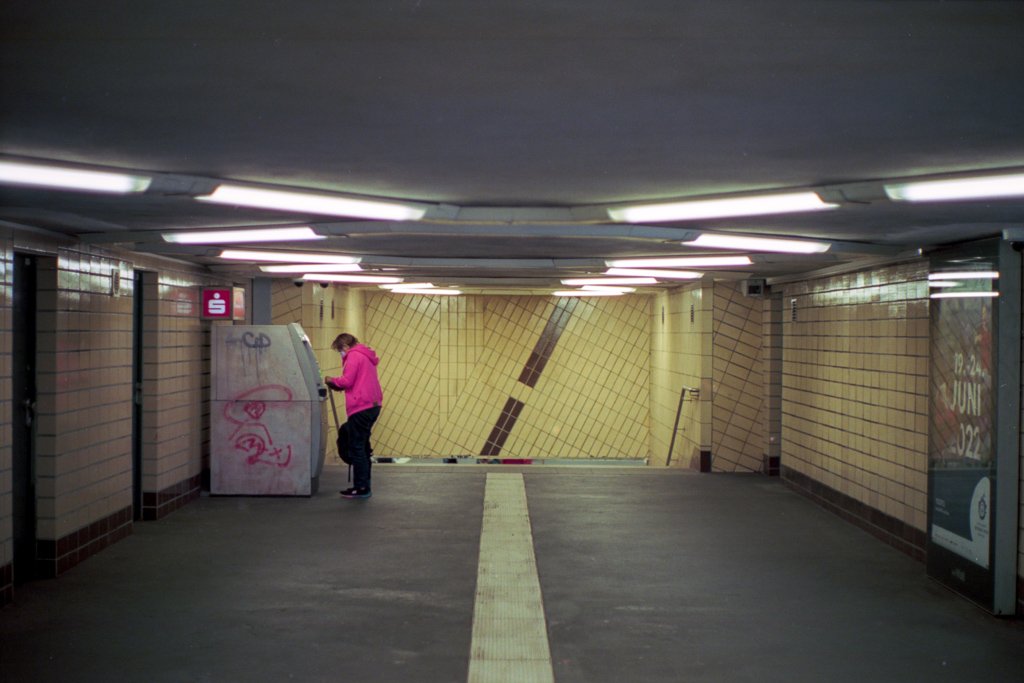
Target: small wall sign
pixel 223 303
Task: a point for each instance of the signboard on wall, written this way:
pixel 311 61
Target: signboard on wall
pixel 971 466
pixel 223 303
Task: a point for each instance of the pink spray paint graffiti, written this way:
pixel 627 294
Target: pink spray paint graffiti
pixel 252 437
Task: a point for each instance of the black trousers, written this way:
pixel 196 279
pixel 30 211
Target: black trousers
pixel 359 426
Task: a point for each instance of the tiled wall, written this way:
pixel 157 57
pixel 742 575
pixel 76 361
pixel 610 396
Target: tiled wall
pixel 83 449
pixel 6 410
pixel 855 397
pixel 737 414
pixel 681 330
pixel 84 414
pixel 176 381
pixel 517 377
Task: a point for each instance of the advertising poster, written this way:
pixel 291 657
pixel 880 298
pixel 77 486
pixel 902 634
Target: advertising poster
pixel 961 453
pixel 974 406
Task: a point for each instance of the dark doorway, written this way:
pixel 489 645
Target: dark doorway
pixel 138 320
pixel 23 420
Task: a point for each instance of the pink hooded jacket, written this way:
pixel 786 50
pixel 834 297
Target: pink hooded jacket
pixel 359 379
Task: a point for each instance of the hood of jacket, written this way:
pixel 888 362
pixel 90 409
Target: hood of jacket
pixel 364 350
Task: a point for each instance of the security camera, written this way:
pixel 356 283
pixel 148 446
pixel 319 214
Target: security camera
pixel 325 285
pixel 298 283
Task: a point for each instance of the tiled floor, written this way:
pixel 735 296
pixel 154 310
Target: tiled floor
pixel 646 575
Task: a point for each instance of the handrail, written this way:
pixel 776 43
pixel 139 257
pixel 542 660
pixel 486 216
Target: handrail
pixel 694 392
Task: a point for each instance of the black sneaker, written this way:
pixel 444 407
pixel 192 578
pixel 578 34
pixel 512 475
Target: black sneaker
pixel 355 493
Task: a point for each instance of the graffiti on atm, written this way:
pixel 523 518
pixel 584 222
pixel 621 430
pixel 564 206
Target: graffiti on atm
pixel 252 437
pixel 250 347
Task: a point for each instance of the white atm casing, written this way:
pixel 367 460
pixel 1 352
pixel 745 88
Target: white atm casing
pixel 268 429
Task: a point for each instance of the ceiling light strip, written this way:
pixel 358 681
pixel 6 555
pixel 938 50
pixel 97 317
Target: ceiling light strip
pixel 242 236
pixel 285 200
pixel 963 295
pixel 681 262
pixel 585 292
pixel 628 281
pixel 747 243
pixel 319 267
pixel 356 279
pixel 965 275
pixel 723 207
pixel 650 272
pixel 286 256
pixel 61 177
pixel 952 189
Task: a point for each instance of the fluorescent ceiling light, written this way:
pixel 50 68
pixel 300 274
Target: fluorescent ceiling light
pixel 286 256
pixel 964 295
pixel 579 282
pixel 429 291
pixel 648 272
pixel 966 275
pixel 603 288
pixel 285 200
pixel 786 202
pixel 785 246
pixel 255 235
pixel 586 292
pixel 306 267
pixel 981 187
pixel 681 262
pixel 364 279
pixel 19 173
pixel 943 283
pixel 409 285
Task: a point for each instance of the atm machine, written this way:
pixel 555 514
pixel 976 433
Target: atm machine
pixel 268 430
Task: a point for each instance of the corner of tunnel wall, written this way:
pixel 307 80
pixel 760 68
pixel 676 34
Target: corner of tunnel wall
pixel 737 394
pixel 680 335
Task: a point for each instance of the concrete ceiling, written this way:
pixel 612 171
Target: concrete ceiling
pixel 515 123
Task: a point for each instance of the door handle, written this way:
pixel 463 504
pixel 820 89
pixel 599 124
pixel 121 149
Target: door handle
pixel 30 411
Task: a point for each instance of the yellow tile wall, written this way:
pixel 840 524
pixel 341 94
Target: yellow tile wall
pixel 738 410
pixel 855 386
pixel 678 360
pixel 449 365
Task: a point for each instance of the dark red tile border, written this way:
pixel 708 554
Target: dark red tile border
pixel 545 346
pixel 53 558
pixel 6 584
pixel 506 421
pixel 157 505
pixel 896 533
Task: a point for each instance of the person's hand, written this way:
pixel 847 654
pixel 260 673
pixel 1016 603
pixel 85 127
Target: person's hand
pixel 329 381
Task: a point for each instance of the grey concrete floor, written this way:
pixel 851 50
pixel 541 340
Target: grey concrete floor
pixel 647 575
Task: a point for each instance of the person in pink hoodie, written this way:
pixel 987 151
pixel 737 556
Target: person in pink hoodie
pixel 363 398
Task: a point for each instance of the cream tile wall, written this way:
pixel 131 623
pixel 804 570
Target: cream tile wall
pixel 855 387
pixel 176 372
pixel 738 410
pixel 449 365
pixel 83 456
pixel 680 324
pixel 83 453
